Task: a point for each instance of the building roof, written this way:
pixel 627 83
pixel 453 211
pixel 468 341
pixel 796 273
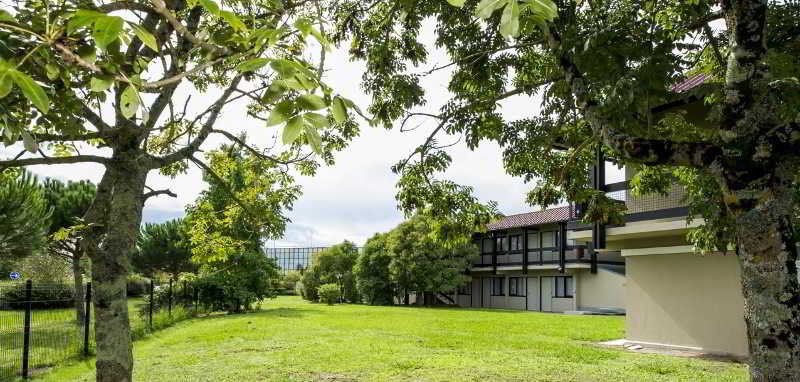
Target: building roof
pixel 691 83
pixel 552 215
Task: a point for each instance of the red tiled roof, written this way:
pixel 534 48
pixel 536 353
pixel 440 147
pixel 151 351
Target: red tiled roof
pixel 553 215
pixel 691 83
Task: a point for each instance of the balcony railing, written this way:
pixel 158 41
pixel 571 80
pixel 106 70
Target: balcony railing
pixel 639 208
pixel 536 256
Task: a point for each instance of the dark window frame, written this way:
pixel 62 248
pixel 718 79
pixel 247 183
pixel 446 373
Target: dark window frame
pixel 515 238
pixel 565 292
pixel 520 286
pixel 502 285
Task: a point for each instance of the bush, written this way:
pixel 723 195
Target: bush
pixel 310 283
pixel 235 284
pixel 329 293
pixel 138 286
pixel 289 282
pixel 43 296
pixel 335 265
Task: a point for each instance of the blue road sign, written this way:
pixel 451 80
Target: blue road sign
pixel 15 275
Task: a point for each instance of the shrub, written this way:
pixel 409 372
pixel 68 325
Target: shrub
pixel 235 284
pixel 43 296
pixel 335 265
pixel 290 281
pixel 310 283
pixel 329 293
pixel 138 286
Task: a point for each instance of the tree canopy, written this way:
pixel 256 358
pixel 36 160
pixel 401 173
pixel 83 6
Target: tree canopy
pixel 606 78
pixel 164 248
pixel 24 216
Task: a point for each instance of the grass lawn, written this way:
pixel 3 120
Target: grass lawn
pixel 54 337
pixel 291 340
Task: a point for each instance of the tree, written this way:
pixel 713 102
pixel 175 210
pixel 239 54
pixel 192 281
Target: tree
pixel 119 71
pixel 69 203
pixel 336 266
pixel 600 69
pixel 164 248
pixel 24 215
pixel 371 272
pixel 422 263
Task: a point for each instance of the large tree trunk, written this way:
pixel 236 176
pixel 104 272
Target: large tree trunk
pixel 768 259
pixel 110 267
pixel 80 293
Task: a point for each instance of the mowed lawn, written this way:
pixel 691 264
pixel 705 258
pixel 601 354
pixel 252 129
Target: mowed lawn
pixel 291 340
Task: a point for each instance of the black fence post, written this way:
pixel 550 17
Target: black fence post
pixel 86 319
pixel 150 312
pixel 170 298
pixel 26 339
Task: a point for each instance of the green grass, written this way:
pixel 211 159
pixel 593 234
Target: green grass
pixel 54 336
pixel 290 340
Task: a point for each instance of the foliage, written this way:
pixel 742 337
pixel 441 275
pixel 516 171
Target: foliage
pixel 43 296
pixel 24 216
pixel 235 284
pixel 244 204
pixel 308 287
pixel 138 286
pixel 421 263
pixel 42 267
pixel 289 281
pixel 69 202
pixel 164 248
pixel 335 265
pixel 371 272
pixel 330 293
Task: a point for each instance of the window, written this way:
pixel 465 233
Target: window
pixel 563 286
pixel 501 244
pixel 515 243
pixel 516 286
pixel 487 246
pixel 533 240
pixel 497 286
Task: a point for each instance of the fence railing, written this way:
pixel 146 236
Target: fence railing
pixel 43 324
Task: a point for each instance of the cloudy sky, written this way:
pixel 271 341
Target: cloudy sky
pixel 355 198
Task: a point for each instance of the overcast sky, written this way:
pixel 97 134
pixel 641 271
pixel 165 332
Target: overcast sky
pixel 355 198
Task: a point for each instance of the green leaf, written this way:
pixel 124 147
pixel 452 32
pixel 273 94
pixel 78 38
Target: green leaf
pixel 311 102
pixel 5 16
pixel 107 30
pixel 313 138
pixel 509 23
pixel 457 3
pixel 274 92
pixel 31 90
pixel 88 53
pixel 280 113
pixel 29 142
pixel 210 6
pixel 234 21
pixel 303 25
pixel 253 64
pixel 82 18
pixel 293 130
pixel 6 83
pixel 147 39
pixel 339 110
pixel 546 8
pixel 485 8
pixel 317 120
pixel 52 71
pixel 323 41
pixel 129 102
pixel 101 84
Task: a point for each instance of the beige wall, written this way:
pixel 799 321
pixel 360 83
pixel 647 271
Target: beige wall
pixel 686 300
pixel 605 289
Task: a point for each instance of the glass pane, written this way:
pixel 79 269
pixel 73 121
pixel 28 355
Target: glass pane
pixel 548 239
pixel 559 286
pixel 568 286
pixel 533 240
pixel 487 245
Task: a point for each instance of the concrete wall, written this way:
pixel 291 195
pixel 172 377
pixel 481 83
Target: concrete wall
pixel 686 300
pixel 605 289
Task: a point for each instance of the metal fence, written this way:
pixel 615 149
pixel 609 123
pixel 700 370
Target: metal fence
pixel 40 325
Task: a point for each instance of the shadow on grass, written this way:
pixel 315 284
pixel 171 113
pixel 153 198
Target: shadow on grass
pixel 276 312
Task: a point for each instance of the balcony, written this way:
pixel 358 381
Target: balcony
pixel 541 257
pixel 639 208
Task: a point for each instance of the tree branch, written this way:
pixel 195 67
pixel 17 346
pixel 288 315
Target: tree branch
pixel 52 161
pixel 256 152
pixel 153 193
pixel 225 187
